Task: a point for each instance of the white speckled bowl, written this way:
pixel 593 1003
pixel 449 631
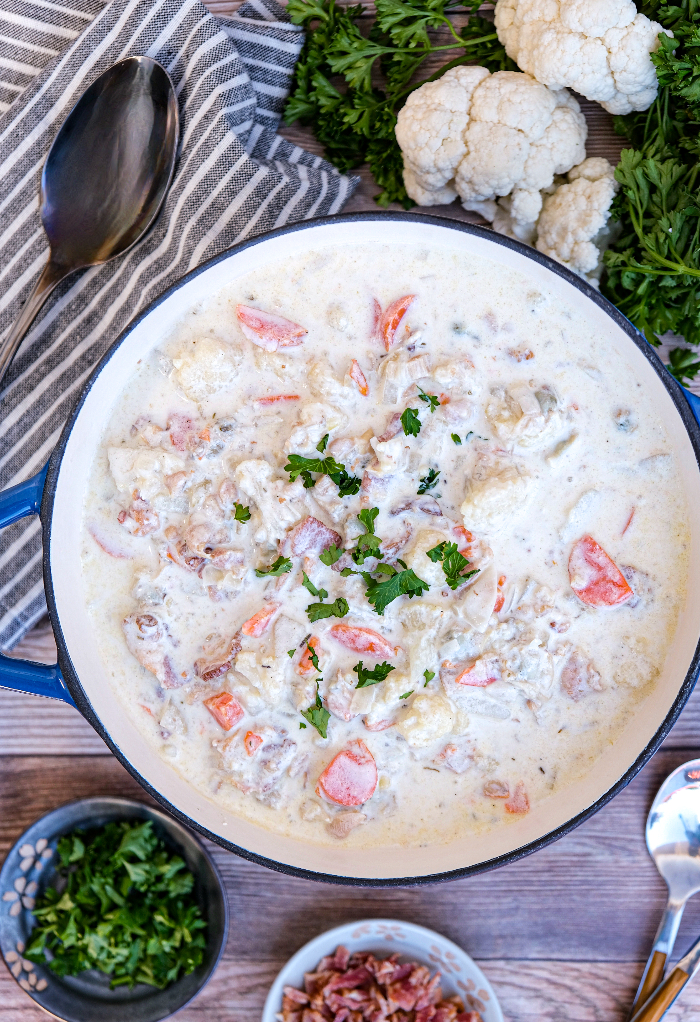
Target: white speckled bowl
pixel 460 975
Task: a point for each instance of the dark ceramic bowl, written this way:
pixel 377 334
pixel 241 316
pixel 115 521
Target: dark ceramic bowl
pixel 87 997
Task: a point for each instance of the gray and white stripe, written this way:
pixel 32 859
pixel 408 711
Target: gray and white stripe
pixel 235 177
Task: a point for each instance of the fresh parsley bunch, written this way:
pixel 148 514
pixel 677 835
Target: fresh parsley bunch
pixel 653 268
pixel 349 88
pixel 124 905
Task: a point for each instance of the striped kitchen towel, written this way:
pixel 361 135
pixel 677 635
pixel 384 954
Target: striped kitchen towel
pixel 235 177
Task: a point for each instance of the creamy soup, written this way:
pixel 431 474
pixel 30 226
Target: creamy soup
pixel 383 546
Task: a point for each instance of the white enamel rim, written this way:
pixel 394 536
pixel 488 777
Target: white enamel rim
pixel 78 650
pixel 460 974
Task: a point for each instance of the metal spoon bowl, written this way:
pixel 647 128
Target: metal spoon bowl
pixel 105 177
pixel 673 840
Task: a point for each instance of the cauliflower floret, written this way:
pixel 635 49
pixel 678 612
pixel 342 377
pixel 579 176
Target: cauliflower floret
pixel 326 385
pixel 495 498
pixel 386 700
pixel 280 504
pixel 142 469
pixel 391 455
pixel 600 48
pixel 428 719
pixel 573 225
pixel 417 558
pixel 315 420
pixel 398 371
pixel 506 134
pixel 205 366
pixel 530 418
pixel 265 679
pixel 479 599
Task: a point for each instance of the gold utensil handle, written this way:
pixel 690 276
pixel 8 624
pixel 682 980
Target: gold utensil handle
pixel 663 997
pixel 655 973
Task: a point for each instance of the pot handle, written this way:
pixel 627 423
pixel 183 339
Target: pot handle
pixel 17 502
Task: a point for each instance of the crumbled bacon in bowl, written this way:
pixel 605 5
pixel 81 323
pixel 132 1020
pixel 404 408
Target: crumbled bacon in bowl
pixel 357 987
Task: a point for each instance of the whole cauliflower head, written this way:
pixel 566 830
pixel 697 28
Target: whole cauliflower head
pixel 480 135
pixel 573 225
pixel 600 48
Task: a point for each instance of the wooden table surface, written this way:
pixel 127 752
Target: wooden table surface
pixel 562 935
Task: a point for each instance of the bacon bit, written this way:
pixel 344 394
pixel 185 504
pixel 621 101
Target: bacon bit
pixel 358 377
pixel 267 331
pixel 594 576
pixel 274 398
pixel 183 432
pixel 350 779
pixel 364 640
pixel 305 665
pixel 175 482
pixel 140 519
pixel 312 536
pixel 629 521
pixel 225 710
pixel 252 742
pixel 393 428
pixel 391 320
pixel 500 598
pixel 579 677
pixel 519 804
pixel 496 789
pixel 258 624
pixel 521 354
pixel 219 660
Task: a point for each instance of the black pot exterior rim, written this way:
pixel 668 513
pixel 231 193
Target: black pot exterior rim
pixel 73 682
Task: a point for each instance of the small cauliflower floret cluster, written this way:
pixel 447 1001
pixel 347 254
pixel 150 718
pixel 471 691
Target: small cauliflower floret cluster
pixel 600 48
pixel 480 135
pixel 574 225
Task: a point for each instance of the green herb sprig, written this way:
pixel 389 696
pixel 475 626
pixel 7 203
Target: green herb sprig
pixel 125 906
pixel 319 611
pixel 279 567
pixel 453 564
pixel 367 676
pixel 299 466
pixel 317 715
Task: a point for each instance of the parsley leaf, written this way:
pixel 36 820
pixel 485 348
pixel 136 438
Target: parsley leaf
pixel 399 583
pixel 429 482
pixel 242 514
pixel 291 652
pixel 456 439
pixel 319 611
pixel 279 567
pixel 308 584
pixel 313 656
pixel 453 563
pixel 428 675
pixel 302 727
pixel 369 544
pixel 683 363
pixel 367 677
pixel 331 554
pixel 430 399
pixel 322 444
pixel 126 906
pixel 410 422
pixel 317 715
pixel 407 694
pixel 300 466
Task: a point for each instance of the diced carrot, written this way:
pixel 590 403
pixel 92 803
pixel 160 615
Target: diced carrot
pixel 205 434
pixel 225 710
pixel 391 320
pixel 468 538
pixel 275 398
pixel 252 742
pixel 358 377
pixel 305 665
pixel 500 598
pixel 629 521
pixel 519 803
pixel 351 777
pixel 258 624
pixel 268 331
pixel 479 674
pixel 594 576
pixel 363 640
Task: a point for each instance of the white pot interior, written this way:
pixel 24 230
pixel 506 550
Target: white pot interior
pixel 81 643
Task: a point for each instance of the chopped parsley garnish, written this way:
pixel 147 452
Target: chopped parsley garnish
pixel 428 675
pixel 432 401
pixel 453 563
pixel 280 567
pixel 369 544
pixel 322 444
pixel 430 481
pixel 317 715
pixel 398 583
pixel 374 676
pixel 302 727
pixel 410 422
pixel 318 611
pixel 124 904
pixel 300 466
pixel 407 694
pixel 331 554
pixel 241 514
pixel 313 657
pixel 308 584
pixel 456 438
pixel 291 652
pixel 469 434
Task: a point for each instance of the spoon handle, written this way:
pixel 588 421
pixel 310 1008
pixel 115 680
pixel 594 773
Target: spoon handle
pixel 663 997
pixel 661 951
pixel 51 275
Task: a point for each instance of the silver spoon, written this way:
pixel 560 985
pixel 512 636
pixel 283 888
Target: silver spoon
pixel 673 840
pixel 105 177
